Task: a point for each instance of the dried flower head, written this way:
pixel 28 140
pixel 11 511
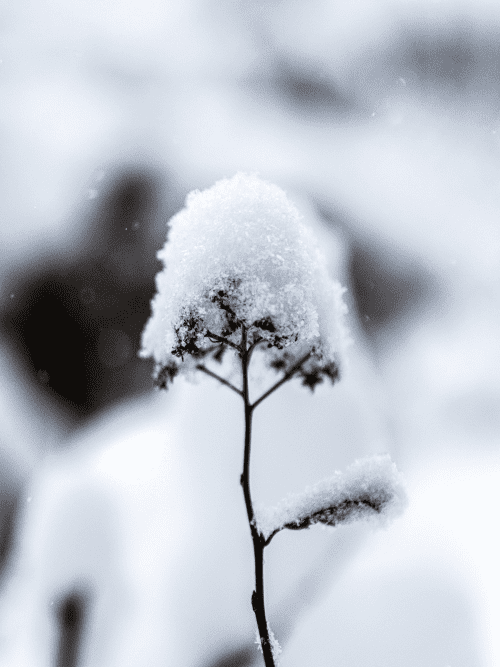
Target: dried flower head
pixel 239 255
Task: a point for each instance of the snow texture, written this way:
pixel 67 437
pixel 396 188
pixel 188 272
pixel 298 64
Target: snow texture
pixel 240 254
pixel 370 488
pixel 275 645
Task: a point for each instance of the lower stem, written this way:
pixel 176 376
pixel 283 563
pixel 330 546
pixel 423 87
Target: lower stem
pixel 258 604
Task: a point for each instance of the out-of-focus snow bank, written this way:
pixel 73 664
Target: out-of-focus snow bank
pixel 425 591
pixel 139 528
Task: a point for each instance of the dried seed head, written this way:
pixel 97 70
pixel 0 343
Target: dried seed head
pixel 238 255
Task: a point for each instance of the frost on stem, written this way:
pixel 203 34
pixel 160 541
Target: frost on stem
pixel 275 645
pixel 238 255
pixel 371 488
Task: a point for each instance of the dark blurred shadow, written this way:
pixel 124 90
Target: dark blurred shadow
pixel 454 64
pixel 8 514
pixel 77 325
pixel 304 91
pixel 240 657
pixel 71 614
pixel 389 287
pixel 311 91
pixel 445 59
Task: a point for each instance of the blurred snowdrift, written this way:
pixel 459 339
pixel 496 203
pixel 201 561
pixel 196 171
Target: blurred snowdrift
pixel 424 592
pixel 143 518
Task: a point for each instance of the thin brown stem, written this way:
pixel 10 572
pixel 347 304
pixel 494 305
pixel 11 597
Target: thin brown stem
pixel 267 541
pixel 258 540
pixel 258 603
pixel 204 369
pixel 252 347
pixel 284 379
pixel 220 339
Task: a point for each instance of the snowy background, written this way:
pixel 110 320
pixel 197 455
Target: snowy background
pixel 122 529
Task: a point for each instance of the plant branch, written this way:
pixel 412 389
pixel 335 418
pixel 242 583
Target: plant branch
pixel 284 379
pixel 258 604
pixel 204 369
pixel 220 339
pixel 252 347
pixel 267 542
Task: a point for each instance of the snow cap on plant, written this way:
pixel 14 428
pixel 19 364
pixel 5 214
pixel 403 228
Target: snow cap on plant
pixel 239 255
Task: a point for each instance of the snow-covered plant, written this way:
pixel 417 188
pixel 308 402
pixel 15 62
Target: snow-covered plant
pixel 243 272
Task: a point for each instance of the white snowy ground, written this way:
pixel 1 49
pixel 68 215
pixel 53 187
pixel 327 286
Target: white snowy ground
pixel 423 593
pixel 427 591
pixel 151 491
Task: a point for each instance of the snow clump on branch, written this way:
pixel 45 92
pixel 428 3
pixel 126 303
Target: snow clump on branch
pixel 239 255
pixel 371 488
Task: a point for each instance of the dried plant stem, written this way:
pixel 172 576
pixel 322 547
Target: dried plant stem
pixel 258 603
pixel 296 367
pixel 204 369
pixel 259 542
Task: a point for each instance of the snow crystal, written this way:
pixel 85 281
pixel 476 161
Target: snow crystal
pixel 370 488
pixel 275 645
pixel 239 253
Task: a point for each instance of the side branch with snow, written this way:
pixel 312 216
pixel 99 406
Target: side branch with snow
pixel 371 489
